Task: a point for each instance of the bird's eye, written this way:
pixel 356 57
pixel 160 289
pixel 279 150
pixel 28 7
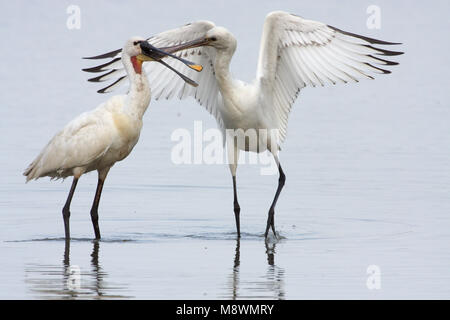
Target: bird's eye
pixel 213 39
pixel 136 43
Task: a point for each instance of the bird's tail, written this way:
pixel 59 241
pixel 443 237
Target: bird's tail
pixel 32 171
pixel 28 173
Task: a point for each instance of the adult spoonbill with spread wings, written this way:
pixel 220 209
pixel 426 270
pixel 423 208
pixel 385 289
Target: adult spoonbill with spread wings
pixel 96 140
pixel 294 53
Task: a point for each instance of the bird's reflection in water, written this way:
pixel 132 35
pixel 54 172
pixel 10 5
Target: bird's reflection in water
pixel 269 286
pixel 70 281
pixel 98 285
pixel 275 274
pixel 235 275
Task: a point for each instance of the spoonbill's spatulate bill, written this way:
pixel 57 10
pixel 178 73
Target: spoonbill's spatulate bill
pixel 294 53
pixel 96 140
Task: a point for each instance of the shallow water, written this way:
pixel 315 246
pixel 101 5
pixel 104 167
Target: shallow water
pixel 367 170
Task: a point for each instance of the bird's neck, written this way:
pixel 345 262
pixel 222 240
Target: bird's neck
pixel 222 70
pixel 138 97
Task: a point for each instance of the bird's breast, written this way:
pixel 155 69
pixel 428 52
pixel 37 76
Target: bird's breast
pixel 128 131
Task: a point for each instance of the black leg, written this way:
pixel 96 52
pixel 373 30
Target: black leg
pixel 237 208
pixel 94 210
pixel 66 209
pixel 271 218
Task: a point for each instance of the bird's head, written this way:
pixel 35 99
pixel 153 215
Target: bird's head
pixel 133 50
pixel 139 50
pixel 218 38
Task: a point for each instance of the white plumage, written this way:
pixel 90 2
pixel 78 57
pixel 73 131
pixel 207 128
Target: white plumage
pixel 97 139
pixel 94 140
pixel 294 53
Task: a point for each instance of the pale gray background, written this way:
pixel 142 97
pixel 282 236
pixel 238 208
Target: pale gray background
pixel 367 166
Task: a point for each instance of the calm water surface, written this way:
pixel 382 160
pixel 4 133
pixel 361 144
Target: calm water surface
pixel 367 165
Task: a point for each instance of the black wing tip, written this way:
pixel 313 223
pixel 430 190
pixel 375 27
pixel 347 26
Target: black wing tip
pixel 99 78
pixel 110 54
pixel 99 68
pixel 112 84
pixel 383 71
pixel 391 63
pixel 384 62
pixel 385 52
pixel 95 69
pixel 370 40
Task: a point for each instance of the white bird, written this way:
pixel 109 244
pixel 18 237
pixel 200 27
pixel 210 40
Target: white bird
pixel 97 139
pixel 294 53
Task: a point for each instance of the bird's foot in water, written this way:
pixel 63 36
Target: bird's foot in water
pixel 271 224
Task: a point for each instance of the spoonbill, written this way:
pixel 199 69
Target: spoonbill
pixel 294 53
pixel 96 140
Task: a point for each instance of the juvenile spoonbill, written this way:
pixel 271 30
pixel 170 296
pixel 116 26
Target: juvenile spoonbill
pixel 294 53
pixel 97 139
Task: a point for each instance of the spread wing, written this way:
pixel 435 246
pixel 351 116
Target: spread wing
pixel 163 82
pixel 296 52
